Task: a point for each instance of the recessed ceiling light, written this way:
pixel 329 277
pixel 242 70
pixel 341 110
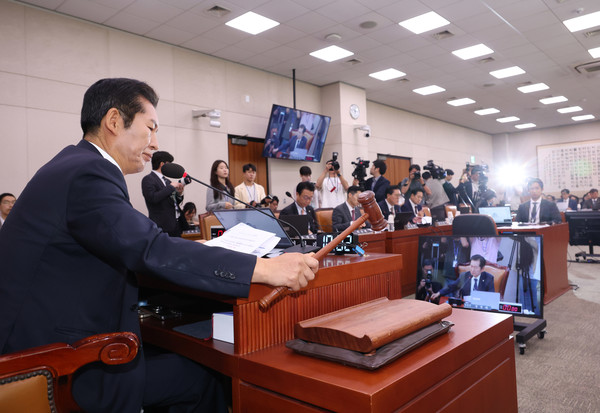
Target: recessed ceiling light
pixel 252 23
pixel 569 109
pixel 583 22
pixel 429 90
pixel 582 117
pixel 533 88
pixel 487 111
pixel 424 22
pixel 508 119
pixel 387 74
pixel 460 102
pixel 525 125
pixel 508 72
pixel 331 53
pixel 472 51
pixel 595 52
pixel 555 99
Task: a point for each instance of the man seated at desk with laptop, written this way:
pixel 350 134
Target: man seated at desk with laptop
pixel 346 213
pixel 538 210
pixel 304 195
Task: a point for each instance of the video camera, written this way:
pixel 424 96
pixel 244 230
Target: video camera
pixel 360 171
pixel 483 170
pixel 437 172
pixel 334 163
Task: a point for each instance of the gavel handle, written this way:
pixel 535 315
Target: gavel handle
pixel 266 302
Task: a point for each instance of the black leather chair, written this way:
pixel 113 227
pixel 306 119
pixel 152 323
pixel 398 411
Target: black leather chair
pixel 474 225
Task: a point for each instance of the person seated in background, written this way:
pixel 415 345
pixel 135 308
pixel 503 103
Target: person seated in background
pixel 550 198
pixel 574 199
pixel 414 205
pixel 6 203
pixel 488 199
pixel 537 209
pixel 584 198
pixel 249 191
pixel 219 178
pixel 566 197
pixel 274 204
pixel 304 194
pixel 347 212
pixel 593 202
pixel 391 204
pixel 474 280
pixel 186 219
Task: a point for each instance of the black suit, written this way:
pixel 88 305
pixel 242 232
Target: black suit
pixel 462 285
pixel 407 207
pixel 451 192
pixel 380 187
pixel 70 272
pixel 341 217
pixel 548 212
pixel 590 204
pixel 385 210
pixel 312 217
pixel 160 203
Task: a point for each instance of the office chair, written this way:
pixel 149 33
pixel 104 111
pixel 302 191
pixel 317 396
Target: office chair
pixel 473 225
pixel 39 379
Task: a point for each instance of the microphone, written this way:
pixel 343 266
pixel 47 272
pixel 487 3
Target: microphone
pixel 175 171
pixel 290 195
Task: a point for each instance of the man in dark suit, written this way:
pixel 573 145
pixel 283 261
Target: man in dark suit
pixel 344 214
pixel 451 191
pixel 593 202
pixel 162 195
pixel 377 183
pixel 70 273
pixel 413 203
pixel 538 209
pixel 391 203
pixel 565 197
pixel 304 195
pixel 475 279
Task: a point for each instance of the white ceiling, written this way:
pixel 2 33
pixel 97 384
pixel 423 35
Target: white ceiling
pixel 524 33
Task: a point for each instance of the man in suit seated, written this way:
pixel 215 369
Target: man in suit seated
pixel 475 279
pixel 538 209
pixel 593 202
pixel 391 203
pixel 304 195
pixel 565 197
pixel 413 204
pixel 344 214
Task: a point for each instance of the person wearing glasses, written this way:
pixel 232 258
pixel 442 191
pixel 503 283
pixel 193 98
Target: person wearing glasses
pixel 6 203
pixel 304 195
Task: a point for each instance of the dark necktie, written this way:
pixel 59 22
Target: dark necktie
pixel 475 284
pixel 416 210
pixel 353 215
pixel 167 181
pixel 533 212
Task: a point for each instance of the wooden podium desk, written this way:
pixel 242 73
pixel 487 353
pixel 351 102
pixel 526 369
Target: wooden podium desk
pixel 554 246
pixel 406 243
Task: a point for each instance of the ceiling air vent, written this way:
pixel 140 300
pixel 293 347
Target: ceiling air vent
pixel 592 33
pixel 353 62
pixel 486 60
pixel 442 35
pixel 590 67
pixel 218 11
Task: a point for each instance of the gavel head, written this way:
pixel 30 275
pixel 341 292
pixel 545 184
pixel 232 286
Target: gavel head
pixel 376 219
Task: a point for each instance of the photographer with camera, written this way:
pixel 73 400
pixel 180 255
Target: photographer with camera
pixel 377 183
pixel 433 176
pixel 414 181
pixel 332 185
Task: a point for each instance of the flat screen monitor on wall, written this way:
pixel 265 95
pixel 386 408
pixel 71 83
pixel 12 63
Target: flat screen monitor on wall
pixel 295 134
pixel 509 282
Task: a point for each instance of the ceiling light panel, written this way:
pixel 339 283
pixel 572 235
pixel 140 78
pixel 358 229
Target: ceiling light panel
pixel 595 53
pixel 569 109
pixel 252 23
pixel 387 74
pixel 583 22
pixel 424 22
pixel 460 102
pixel 488 111
pixel 473 51
pixel 533 88
pixel 525 125
pixel 331 53
pixel 582 117
pixel 429 90
pixel 508 119
pixel 508 72
pixel 555 99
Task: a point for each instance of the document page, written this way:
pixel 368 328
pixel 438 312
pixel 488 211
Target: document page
pixel 244 238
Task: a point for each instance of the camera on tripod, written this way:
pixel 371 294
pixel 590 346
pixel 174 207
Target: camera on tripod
pixel 437 172
pixel 360 171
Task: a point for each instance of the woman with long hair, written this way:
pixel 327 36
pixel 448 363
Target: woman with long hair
pixel 219 178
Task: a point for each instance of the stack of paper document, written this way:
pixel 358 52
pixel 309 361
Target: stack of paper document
pixel 244 238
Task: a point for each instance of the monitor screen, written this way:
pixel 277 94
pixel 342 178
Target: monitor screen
pixel 491 273
pixel 295 134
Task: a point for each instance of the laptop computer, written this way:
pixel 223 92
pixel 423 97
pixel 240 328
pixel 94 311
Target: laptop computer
pixel 500 214
pixel 300 222
pixel 401 219
pixel 231 217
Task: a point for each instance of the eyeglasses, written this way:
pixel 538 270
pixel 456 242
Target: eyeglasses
pixel 7 202
pixel 307 197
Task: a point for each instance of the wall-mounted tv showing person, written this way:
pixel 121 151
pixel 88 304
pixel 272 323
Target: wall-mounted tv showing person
pixel 295 134
pixel 491 273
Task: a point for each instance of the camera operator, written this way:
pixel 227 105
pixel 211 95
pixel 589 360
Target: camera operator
pixel 414 181
pixel 377 183
pixel 332 185
pixel 433 176
pixel 451 191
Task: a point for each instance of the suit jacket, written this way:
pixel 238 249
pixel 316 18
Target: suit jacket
pixel 461 287
pixel 589 204
pixel 380 187
pixel 70 272
pixel 312 217
pixel 452 192
pixel 341 217
pixel 385 210
pixel 548 212
pixel 241 192
pixel 160 203
pixel 407 207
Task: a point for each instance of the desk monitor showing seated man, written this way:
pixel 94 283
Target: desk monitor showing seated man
pixel 453 271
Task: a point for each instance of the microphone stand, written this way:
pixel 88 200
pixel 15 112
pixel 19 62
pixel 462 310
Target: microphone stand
pixel 172 172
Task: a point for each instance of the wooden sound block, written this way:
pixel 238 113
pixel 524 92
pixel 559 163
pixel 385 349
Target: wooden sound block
pixel 368 326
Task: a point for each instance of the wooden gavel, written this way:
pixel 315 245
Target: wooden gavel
pixel 372 213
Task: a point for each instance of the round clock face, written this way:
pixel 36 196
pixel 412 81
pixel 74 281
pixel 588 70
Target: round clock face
pixel 354 111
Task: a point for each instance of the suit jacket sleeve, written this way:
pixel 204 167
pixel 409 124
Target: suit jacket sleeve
pixel 523 212
pixel 549 212
pixel 154 191
pixel 340 217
